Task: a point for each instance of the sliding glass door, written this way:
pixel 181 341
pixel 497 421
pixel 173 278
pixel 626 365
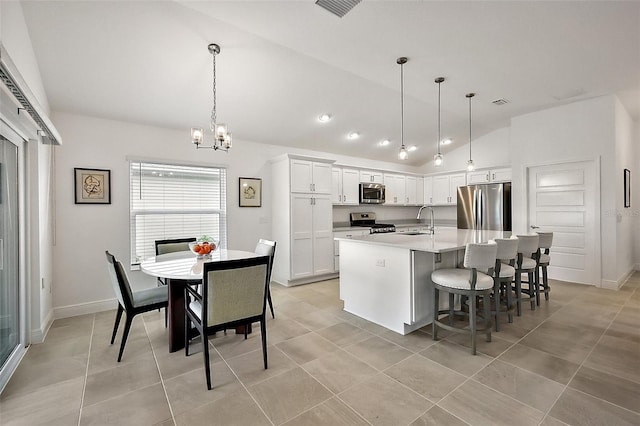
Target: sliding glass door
pixel 9 262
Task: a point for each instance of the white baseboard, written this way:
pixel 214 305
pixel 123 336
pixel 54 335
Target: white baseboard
pixel 616 285
pixel 39 334
pixel 84 308
pixel 637 266
pixel 610 285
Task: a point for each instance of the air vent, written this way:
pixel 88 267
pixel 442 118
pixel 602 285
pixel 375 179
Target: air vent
pixel 338 7
pixel 500 102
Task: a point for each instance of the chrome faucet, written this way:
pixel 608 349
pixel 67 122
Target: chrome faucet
pixel 432 225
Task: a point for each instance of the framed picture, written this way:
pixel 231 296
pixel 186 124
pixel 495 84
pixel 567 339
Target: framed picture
pixel 627 188
pixel 250 192
pixel 92 186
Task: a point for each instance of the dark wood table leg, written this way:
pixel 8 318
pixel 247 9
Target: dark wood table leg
pixel 240 329
pixel 176 314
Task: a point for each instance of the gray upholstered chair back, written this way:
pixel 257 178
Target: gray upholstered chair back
pixel 507 248
pixel 480 256
pixel 119 281
pixel 173 246
pixel 233 294
pixel 545 240
pixel 528 244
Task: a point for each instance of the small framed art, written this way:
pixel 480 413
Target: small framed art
pixel 92 186
pixel 250 190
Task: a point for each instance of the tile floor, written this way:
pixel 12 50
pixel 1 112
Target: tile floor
pixel 575 360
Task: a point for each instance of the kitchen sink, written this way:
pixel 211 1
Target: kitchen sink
pixel 415 233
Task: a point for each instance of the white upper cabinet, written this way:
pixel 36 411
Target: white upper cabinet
pixel 311 176
pixel 371 176
pixel 445 188
pixel 345 186
pixel 411 190
pixel 420 191
pixel 488 176
pixel 394 189
pixel 428 190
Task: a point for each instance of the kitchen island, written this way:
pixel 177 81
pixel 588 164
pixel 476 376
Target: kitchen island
pixel 386 278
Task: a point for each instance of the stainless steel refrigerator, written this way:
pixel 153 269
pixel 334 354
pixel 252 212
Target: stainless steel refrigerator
pixel 485 206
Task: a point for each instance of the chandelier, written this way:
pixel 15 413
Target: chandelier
pixel 438 158
pixel 221 135
pixel 402 154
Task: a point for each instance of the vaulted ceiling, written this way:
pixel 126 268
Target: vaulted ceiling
pixel 285 62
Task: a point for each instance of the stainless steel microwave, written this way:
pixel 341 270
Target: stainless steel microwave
pixel 371 193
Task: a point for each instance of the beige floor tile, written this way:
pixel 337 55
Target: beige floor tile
pixel 558 345
pixel 119 380
pixel 189 390
pixel 511 332
pixel 237 409
pixel 173 364
pixel 552 421
pixel 541 363
pixel 146 406
pixel 415 341
pixel 616 356
pixel 280 330
pixel 577 408
pixel 626 325
pixel 286 396
pixel 53 404
pixel 74 347
pixel 493 348
pixel 339 370
pixel 344 333
pixel 616 390
pixel 479 405
pixel 383 401
pixel 296 308
pixel 583 335
pixel 378 352
pixel 456 357
pixel 529 388
pixel 104 356
pixel 331 412
pixel 428 378
pixel 232 345
pixel 250 367
pixel 306 348
pixel 318 320
pixel 436 416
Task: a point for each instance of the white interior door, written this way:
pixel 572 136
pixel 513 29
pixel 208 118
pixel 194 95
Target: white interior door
pixel 562 199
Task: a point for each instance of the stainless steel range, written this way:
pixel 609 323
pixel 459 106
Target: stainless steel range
pixel 369 220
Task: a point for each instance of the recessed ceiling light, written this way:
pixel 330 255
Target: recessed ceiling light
pixel 384 142
pixel 353 135
pixel 446 141
pixel 412 148
pixel 324 118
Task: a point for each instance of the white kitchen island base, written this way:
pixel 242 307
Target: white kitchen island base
pixel 386 278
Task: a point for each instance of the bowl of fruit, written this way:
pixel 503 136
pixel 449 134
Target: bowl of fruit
pixel 204 246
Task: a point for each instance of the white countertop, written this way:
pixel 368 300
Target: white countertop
pixel 444 240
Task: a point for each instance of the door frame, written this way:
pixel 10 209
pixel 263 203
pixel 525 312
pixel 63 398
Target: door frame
pixel 597 201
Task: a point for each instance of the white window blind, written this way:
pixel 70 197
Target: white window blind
pixel 175 201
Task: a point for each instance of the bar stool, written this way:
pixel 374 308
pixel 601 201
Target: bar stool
pixel 503 274
pixel 542 261
pixel 468 282
pixel 525 264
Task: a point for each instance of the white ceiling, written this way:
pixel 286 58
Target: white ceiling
pixel 285 62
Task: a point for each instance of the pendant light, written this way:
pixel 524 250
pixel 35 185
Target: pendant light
pixel 438 158
pixel 470 165
pixel 221 135
pixel 403 154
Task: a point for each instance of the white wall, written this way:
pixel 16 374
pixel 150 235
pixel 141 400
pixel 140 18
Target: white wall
pixel 574 132
pixel 635 196
pixel 84 232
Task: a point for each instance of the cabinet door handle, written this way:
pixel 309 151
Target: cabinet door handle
pixel 494 176
pixel 344 198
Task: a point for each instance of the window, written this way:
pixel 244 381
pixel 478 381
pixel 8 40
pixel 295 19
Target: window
pixel 175 201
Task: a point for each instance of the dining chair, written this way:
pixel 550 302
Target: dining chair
pixel 267 248
pixel 172 246
pixel 131 302
pixel 503 274
pixel 234 293
pixel 526 264
pixel 543 258
pixel 469 282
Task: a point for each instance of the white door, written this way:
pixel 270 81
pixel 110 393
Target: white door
pixel 321 177
pixel 411 188
pixel 350 186
pixel 301 235
pixel 454 182
pixel 562 199
pixel 301 176
pixel 428 190
pixel 336 185
pixel 440 190
pixel 322 235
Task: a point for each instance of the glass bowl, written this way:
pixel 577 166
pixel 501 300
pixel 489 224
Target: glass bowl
pixel 203 248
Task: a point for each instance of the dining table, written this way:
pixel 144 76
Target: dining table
pixel 179 269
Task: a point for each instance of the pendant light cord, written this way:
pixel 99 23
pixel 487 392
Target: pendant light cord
pixel 469 127
pixel 439 136
pixel 213 110
pixel 402 105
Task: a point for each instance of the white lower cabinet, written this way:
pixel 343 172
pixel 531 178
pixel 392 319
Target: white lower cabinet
pixel 311 235
pixel 336 244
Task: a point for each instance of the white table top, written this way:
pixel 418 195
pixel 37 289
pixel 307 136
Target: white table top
pixel 186 265
pixel 444 240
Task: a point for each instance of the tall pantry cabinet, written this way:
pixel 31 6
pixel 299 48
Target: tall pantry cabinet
pixel 302 219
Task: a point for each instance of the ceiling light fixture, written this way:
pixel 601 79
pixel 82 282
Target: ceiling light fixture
pixel 470 165
pixel 402 154
pixel 221 135
pixel 447 141
pixel 324 118
pixel 385 142
pixel 412 148
pixel 353 135
pixel 438 158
